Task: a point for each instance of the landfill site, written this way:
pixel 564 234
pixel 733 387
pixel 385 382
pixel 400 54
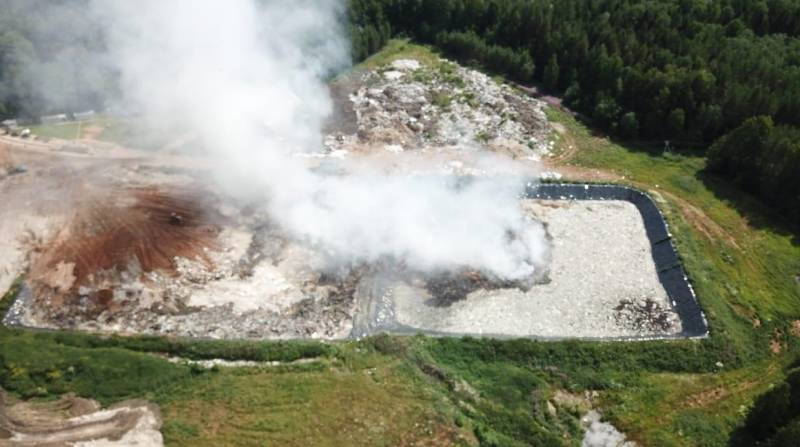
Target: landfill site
pixel 113 239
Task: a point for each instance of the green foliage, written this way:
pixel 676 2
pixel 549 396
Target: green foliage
pixel 764 159
pixel 787 436
pixel 629 125
pixel 176 430
pixel 551 73
pixel 284 351
pixel 606 111
pixel 33 367
pixel 676 122
pixel 47 61
pixel 470 47
pixel 774 419
pixel 690 70
pixel 111 368
pixel 442 99
pixel 66 131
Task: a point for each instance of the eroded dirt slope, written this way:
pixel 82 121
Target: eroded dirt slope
pixel 76 422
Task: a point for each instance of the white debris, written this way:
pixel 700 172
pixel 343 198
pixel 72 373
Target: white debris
pixel 601 261
pixel 602 434
pixel 265 288
pixel 446 108
pixel 393 148
pixel 550 175
pixel 211 363
pixel 392 75
pixel 406 65
pixel 337 153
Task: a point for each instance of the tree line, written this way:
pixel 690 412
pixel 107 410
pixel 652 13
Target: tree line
pixel 49 59
pixel 774 419
pixel 688 71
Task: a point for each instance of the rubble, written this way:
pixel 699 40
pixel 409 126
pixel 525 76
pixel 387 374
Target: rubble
pixel 446 288
pixel 645 315
pixel 143 245
pixel 183 272
pixel 407 106
pixel 600 255
pixel 221 363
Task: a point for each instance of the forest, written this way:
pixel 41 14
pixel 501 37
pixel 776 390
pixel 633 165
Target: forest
pixel 688 71
pixel 49 59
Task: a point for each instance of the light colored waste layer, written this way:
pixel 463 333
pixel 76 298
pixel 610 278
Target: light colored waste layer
pixel 601 259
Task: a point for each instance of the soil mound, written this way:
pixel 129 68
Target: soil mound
pixel 119 237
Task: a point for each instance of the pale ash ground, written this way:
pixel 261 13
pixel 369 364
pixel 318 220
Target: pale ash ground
pixel 600 256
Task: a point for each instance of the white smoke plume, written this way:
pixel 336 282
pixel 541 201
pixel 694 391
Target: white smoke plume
pixel 249 78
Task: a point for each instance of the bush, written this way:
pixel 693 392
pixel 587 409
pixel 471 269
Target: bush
pixel 468 46
pixel 762 158
pixel 774 419
pixel 629 125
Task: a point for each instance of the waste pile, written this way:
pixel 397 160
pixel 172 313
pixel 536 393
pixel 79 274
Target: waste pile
pixel 409 106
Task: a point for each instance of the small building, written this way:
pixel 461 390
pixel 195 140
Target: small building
pixel 9 125
pixel 54 119
pixel 84 116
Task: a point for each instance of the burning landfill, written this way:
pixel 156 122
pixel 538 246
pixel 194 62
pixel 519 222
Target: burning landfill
pixel 155 251
pixel 407 218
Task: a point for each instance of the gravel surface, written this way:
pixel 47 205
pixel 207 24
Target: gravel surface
pixel 601 262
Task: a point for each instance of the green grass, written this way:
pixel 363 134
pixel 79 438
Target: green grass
pixel 128 132
pixel 137 134
pixel 64 131
pixel 691 407
pixel 377 402
pixel 403 49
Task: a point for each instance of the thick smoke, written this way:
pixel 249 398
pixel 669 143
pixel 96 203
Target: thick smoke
pixel 248 77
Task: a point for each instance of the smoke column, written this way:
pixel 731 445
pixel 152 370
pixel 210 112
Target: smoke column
pixel 249 78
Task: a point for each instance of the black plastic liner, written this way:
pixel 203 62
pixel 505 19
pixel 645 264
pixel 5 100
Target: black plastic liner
pixel 670 272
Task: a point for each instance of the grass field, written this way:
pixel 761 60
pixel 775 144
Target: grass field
pixel 128 132
pixel 388 390
pixel 65 131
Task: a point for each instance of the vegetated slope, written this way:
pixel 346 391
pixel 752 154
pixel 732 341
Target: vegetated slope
pixel 687 72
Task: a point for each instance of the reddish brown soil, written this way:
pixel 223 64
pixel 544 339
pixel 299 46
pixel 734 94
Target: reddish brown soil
pixel 138 230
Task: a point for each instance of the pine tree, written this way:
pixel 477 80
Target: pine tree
pixel 551 71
